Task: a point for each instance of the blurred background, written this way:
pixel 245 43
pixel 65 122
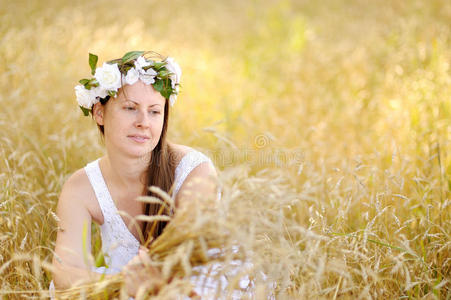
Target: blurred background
pixel 349 101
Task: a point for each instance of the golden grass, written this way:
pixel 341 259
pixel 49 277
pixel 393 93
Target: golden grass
pixel 352 98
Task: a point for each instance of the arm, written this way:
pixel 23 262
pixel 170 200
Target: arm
pixel 200 182
pixel 71 261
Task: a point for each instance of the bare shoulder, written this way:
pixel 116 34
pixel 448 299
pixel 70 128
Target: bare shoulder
pixel 76 192
pixel 77 183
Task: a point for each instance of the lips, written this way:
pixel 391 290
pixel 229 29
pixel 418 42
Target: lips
pixel 139 138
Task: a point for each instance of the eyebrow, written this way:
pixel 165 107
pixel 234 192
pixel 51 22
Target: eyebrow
pixel 137 103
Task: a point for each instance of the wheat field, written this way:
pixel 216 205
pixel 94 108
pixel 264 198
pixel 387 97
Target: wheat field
pixel 329 123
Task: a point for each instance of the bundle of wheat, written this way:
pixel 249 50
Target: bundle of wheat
pixel 197 235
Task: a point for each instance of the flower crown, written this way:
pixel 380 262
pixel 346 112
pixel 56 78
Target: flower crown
pixel 164 75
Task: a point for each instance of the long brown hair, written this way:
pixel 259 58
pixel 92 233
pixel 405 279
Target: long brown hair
pixel 160 173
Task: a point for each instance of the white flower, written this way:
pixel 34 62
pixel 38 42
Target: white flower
pixel 151 72
pixel 98 92
pixel 140 63
pixel 148 76
pixel 109 77
pixel 172 99
pixel 173 96
pixel 85 98
pixel 132 76
pixel 175 69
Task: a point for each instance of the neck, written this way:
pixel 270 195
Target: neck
pixel 126 172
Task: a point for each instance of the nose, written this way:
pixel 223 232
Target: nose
pixel 142 119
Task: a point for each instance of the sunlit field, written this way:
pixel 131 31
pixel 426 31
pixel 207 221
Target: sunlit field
pixel 329 123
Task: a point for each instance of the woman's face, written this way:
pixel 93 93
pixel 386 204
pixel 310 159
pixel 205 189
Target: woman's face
pixel 133 121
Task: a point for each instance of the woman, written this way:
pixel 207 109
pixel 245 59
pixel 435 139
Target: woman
pixel 129 100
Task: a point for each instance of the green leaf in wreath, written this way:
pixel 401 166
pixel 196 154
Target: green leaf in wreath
pixel 84 81
pixel 85 110
pixel 165 94
pixel 159 65
pixel 93 82
pixel 115 61
pixel 112 93
pixel 158 85
pixel 93 62
pixel 164 74
pixel 167 90
pixel 131 56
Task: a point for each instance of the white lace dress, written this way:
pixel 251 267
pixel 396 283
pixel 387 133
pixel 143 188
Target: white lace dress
pixel 119 245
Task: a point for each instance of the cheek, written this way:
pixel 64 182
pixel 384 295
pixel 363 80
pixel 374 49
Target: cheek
pixel 116 124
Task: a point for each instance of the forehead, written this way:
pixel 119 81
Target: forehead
pixel 141 93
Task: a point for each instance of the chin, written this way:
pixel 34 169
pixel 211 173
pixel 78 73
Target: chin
pixel 134 151
pixel 140 154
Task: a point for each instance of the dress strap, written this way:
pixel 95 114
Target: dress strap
pixel 188 162
pixel 100 188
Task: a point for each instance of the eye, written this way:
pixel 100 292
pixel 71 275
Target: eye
pixel 155 112
pixel 129 108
